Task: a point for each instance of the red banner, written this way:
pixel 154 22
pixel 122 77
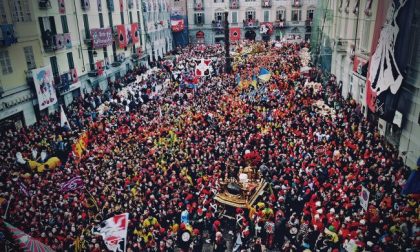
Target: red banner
pixel 99 67
pixel 122 36
pixel 135 32
pixel 234 33
pixel 177 25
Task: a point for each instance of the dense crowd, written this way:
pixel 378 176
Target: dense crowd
pixel 161 154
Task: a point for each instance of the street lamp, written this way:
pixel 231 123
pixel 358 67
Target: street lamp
pixel 228 63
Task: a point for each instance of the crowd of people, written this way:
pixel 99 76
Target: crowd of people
pixel 159 155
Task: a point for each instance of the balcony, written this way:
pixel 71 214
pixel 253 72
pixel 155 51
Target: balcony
pixel 266 3
pixel 251 24
pixel 54 42
pixel 341 46
pixel 7 35
pixel 279 24
pixel 234 4
pixel 297 3
pixel 218 26
pixel 44 4
pixel 198 6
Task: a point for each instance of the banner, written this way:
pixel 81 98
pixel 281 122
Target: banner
pixel 234 33
pixel 135 33
pixel 177 25
pixel 114 232
pixel 73 184
pixel 101 37
pixel 266 28
pixel 99 67
pixel 25 241
pixel 389 56
pixel 364 198
pixel 122 36
pixel 202 67
pixel 44 86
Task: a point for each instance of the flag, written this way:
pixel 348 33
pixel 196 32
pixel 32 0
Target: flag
pixel 114 232
pixel 412 186
pixel 234 33
pixel 63 118
pixel 73 184
pixel 238 79
pixel 264 74
pixel 202 67
pixel 24 189
pixel 26 242
pixel 254 81
pixel 80 144
pixel 364 198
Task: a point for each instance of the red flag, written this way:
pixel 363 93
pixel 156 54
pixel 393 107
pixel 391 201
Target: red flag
pixel 235 33
pixel 122 36
pixel 27 242
pixel 135 32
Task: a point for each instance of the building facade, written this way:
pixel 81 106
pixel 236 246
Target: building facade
pixel 347 38
pixel 179 22
pixel 249 18
pixel 156 19
pixel 85 42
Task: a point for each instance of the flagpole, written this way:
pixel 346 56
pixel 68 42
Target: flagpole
pixel 94 201
pixel 7 208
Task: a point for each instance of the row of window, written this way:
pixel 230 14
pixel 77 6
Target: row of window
pixel 6 65
pixel 251 14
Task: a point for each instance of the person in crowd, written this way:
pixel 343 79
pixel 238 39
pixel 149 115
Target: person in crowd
pixel 158 142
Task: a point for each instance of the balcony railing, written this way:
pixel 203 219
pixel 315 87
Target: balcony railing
pixel 252 23
pixel 341 46
pixel 218 26
pixel 7 35
pixel 234 4
pixel 266 3
pixel 44 4
pixel 198 6
pixel 297 3
pixel 279 24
